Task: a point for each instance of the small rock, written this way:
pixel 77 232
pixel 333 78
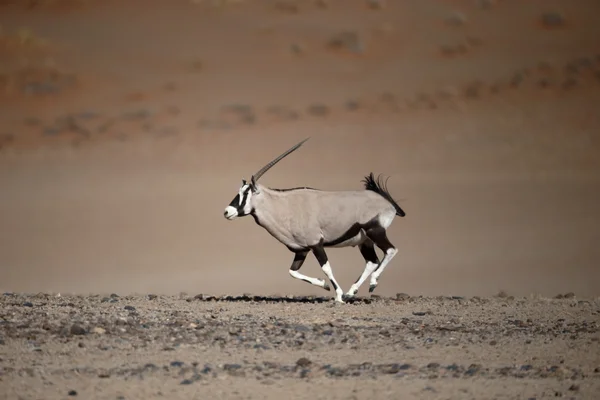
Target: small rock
pixel 544 83
pixel 152 297
pixel 493 343
pixel 376 4
pixel 177 364
pixel 199 297
pixel 569 83
pixel 402 296
pixel 322 3
pixel 129 308
pixel 352 105
pixel 287 6
pixel 99 330
pixel 516 81
pixel 348 40
pixel 296 48
pixel 552 20
pixel 32 121
pixel 28 304
pixel 77 329
pixel 486 4
pixel 72 393
pixel 472 90
pixel 304 373
pixel 574 388
pixel 303 362
pixel 456 19
pixel 318 110
pixel 186 382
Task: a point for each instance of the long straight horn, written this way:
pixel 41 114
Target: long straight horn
pixel 264 169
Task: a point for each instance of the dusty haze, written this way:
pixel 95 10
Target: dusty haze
pixel 126 130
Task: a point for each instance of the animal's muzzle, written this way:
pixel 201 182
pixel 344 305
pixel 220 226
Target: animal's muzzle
pixel 230 212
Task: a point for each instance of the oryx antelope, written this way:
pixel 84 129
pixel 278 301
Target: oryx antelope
pixel 310 220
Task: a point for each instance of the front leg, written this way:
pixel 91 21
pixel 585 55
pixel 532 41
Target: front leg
pixel 321 256
pixel 298 261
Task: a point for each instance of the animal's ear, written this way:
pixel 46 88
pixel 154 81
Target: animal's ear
pixel 253 184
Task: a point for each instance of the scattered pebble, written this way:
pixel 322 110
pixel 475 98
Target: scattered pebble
pixel 350 41
pixel 318 110
pixel 77 329
pixel 552 20
pixel 376 4
pixel 455 19
pixel 303 362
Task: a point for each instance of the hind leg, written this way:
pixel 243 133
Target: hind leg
pixel 379 237
pixel 368 252
pixel 298 261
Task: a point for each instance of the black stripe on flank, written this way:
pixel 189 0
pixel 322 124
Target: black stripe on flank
pixel 296 188
pixel 353 231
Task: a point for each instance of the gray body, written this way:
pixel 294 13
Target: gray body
pixel 310 220
pixel 301 218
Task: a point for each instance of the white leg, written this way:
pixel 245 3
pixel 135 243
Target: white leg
pixel 369 268
pixel 339 293
pixel 313 281
pixel 298 261
pixel 389 254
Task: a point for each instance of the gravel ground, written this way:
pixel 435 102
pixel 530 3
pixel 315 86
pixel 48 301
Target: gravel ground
pixel 148 346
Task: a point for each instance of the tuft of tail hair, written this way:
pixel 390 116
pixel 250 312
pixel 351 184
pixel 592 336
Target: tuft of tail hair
pixel 379 186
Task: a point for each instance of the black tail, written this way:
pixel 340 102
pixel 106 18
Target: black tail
pixel 380 187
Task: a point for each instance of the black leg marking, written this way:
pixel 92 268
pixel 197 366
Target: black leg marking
pixel 321 256
pixel 299 258
pixel 379 237
pixel 368 252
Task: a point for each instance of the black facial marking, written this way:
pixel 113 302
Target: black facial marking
pixel 238 203
pixel 235 203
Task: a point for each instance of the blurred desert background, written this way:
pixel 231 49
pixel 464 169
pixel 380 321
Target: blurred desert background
pixel 127 127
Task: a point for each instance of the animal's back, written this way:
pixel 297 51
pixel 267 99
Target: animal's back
pixel 337 213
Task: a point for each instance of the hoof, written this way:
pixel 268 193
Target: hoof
pixel 347 297
pixel 372 287
pixel 339 301
pixel 326 287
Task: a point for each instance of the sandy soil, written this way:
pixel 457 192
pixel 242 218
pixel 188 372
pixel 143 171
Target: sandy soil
pixel 127 127
pixel 145 347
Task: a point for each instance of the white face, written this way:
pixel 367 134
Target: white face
pixel 241 205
